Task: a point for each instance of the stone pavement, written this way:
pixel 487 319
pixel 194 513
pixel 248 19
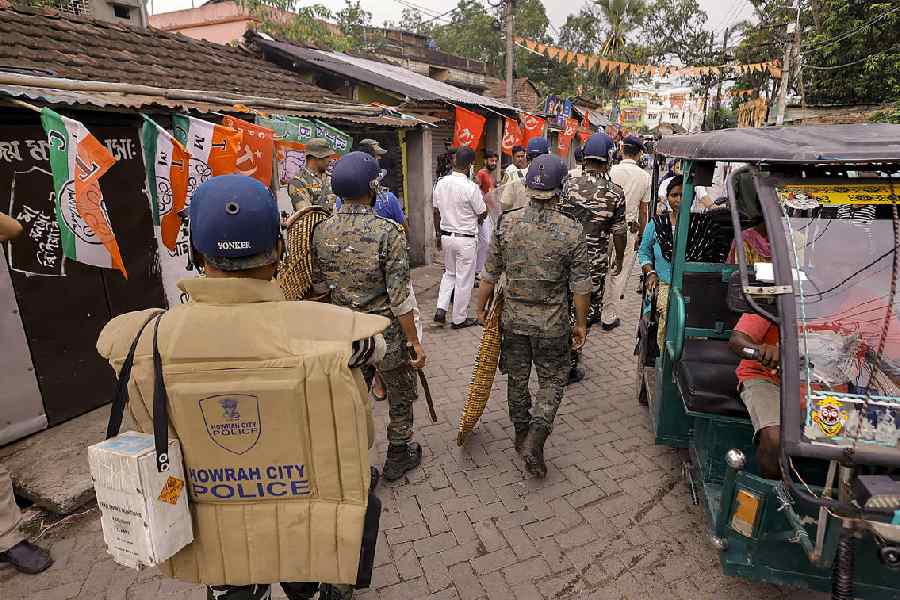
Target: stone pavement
pixel 613 519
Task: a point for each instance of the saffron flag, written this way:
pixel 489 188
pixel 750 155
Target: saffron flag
pixel 257 149
pixel 534 127
pixel 565 137
pixel 214 149
pixel 512 136
pixel 78 160
pixel 166 163
pixel 468 128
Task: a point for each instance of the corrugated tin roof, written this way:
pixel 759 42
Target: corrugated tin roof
pixel 137 102
pixel 383 75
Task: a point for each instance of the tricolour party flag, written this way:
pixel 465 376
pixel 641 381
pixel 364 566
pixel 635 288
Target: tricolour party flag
pixel 257 151
pixel 512 136
pixel 166 163
pixel 468 128
pixel 78 160
pixel 214 149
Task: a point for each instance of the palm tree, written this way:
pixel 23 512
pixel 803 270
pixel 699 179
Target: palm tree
pixel 622 17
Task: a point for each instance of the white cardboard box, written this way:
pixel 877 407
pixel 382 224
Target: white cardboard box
pixel 144 513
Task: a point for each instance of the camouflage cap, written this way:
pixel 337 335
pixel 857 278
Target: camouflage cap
pixel 372 147
pixel 318 147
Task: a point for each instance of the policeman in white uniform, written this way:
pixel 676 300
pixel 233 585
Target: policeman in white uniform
pixel 459 208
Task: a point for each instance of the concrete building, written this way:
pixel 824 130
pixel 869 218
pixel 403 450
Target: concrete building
pixel 129 12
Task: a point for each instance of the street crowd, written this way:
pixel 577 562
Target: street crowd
pixel 558 244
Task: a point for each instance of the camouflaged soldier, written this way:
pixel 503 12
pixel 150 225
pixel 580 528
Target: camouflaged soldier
pixel 312 185
pixel 360 259
pixel 543 254
pixel 599 205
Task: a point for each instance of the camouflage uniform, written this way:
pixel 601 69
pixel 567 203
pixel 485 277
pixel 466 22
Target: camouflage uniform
pixel 308 189
pixel 544 256
pixel 599 205
pixel 361 259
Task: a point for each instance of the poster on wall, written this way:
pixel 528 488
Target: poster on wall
pixel 38 251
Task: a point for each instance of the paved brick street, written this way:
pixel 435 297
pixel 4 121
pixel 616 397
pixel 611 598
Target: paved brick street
pixel 613 519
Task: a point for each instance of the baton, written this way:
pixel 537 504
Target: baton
pixel 428 398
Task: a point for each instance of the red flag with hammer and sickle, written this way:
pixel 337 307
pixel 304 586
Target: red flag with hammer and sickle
pixel 513 136
pixel 566 135
pixel 468 129
pixel 257 149
pixel 534 127
pixel 584 133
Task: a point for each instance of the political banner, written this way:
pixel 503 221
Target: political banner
pixel 166 164
pixel 468 128
pixel 257 150
pixel 534 126
pixel 77 161
pixel 566 136
pixel 339 141
pixel 214 149
pixel 512 136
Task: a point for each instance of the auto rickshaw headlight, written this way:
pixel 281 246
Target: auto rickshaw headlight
pixel 746 510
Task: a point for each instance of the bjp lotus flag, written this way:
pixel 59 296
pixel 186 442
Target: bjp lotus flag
pixel 566 135
pixel 512 136
pixel 78 160
pixel 468 129
pixel 166 163
pixel 258 148
pixel 534 127
pixel 214 149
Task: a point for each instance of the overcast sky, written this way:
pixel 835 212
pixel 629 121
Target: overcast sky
pixel 721 12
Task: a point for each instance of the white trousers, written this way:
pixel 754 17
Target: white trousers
pixel 485 231
pixel 615 287
pixel 459 275
pixel 10 515
pixel 417 316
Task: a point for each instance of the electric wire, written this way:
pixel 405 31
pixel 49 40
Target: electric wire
pixel 845 35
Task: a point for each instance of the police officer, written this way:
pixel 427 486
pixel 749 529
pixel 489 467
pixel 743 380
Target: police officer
pixel 514 194
pixel 543 254
pixel 238 344
pixel 312 185
pixel 599 205
pixel 361 259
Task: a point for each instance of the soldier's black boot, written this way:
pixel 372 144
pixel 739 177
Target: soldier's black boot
pixel 401 459
pixel 521 434
pixel 534 452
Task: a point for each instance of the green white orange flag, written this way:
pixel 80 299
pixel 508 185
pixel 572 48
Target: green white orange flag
pixel 214 149
pixel 78 160
pixel 166 164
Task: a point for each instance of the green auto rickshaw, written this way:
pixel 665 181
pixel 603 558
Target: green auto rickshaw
pixel 825 199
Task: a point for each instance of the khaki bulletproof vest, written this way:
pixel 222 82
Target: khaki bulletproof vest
pixel 273 429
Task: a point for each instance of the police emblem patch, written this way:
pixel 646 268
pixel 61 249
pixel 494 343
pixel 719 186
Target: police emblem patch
pixel 232 421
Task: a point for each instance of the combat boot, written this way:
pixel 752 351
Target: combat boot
pixel 521 434
pixel 534 452
pixel 335 592
pixel 401 459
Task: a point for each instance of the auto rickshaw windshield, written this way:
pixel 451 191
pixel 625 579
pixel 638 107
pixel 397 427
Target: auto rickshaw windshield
pixel 841 239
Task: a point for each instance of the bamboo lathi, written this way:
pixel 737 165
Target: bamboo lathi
pixel 484 371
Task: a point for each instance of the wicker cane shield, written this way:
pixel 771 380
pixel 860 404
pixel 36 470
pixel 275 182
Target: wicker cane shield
pixel 295 270
pixel 484 371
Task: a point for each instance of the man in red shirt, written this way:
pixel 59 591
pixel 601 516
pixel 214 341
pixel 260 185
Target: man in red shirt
pixel 486 178
pixel 755 339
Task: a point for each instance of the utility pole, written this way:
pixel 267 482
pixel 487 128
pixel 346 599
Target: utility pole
pixel 706 90
pixel 509 10
pixel 718 104
pixel 793 28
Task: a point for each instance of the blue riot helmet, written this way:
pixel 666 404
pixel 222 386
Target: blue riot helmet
pixel 545 176
pixel 600 147
pixel 537 146
pixel 356 175
pixel 234 223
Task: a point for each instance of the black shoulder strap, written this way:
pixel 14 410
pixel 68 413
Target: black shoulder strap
pixel 160 406
pixel 120 399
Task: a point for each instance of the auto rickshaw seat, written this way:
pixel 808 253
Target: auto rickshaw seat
pixel 707 380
